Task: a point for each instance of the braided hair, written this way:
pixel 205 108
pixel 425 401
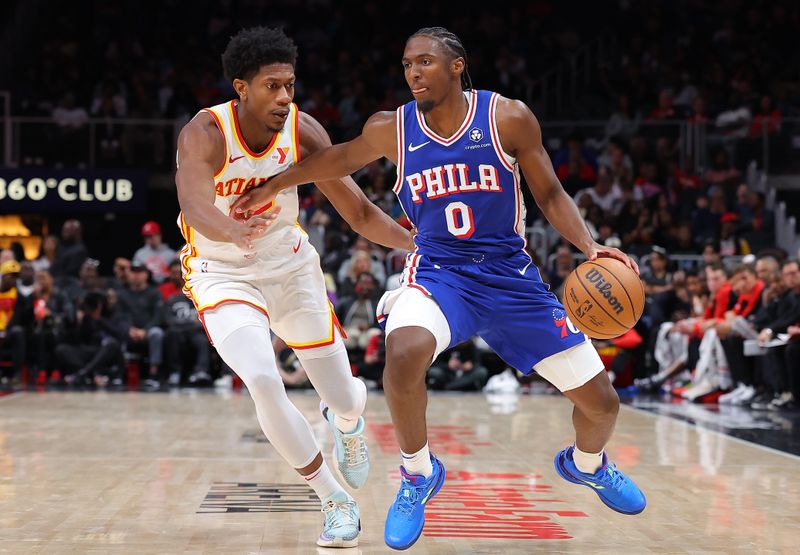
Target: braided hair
pixel 453 44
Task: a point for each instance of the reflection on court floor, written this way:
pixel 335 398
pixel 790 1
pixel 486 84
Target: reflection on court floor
pixel 189 473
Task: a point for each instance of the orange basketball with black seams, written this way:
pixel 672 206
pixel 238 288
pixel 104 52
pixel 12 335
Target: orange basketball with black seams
pixel 604 298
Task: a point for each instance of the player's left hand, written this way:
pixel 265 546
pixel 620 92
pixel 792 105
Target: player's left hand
pixel 601 251
pixel 413 233
pixel 248 204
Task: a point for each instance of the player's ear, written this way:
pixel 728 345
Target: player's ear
pixel 457 66
pixel 240 86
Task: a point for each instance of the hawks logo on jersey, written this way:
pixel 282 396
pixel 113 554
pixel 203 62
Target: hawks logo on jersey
pixel 441 181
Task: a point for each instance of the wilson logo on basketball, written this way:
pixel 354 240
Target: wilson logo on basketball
pixel 604 288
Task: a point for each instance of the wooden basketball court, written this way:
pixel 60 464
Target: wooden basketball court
pixel 188 472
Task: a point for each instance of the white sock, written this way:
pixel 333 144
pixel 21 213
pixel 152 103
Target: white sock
pixel 345 425
pixel 419 462
pixel 588 463
pixel 323 482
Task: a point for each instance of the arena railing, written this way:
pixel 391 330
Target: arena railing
pixel 786 235
pixel 99 142
pixel 150 143
pixel 686 262
pixel 556 91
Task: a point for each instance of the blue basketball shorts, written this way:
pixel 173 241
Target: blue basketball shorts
pixel 502 300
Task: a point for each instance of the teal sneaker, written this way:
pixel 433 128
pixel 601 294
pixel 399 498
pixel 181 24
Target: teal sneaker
pixel 342 521
pixel 406 516
pixel 612 486
pixel 349 450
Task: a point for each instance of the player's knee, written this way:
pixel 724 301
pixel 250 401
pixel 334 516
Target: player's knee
pixel 607 402
pixel 597 399
pixel 409 350
pixel 349 402
pixel 611 403
pixel 262 384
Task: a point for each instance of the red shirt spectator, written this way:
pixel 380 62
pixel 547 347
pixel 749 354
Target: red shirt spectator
pixel 721 303
pixel 664 110
pixel 577 168
pixel 686 177
pixel 174 283
pixel 749 301
pixel 721 170
pixel 766 120
pixel 698 114
pixel 168 290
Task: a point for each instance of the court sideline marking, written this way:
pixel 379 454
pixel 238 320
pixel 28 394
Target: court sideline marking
pixel 723 434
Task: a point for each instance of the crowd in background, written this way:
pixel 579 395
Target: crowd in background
pixel 698 61
pixel 67 324
pixel 712 65
pixel 729 335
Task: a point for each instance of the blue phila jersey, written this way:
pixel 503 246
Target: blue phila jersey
pixel 462 193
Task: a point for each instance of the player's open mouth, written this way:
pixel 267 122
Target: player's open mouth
pixel 280 114
pixel 419 90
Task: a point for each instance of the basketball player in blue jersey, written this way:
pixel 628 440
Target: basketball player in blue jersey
pixel 458 153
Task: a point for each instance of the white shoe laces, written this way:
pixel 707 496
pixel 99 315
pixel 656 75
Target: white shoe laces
pixel 339 513
pixel 355 449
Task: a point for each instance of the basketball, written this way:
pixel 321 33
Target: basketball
pixel 603 298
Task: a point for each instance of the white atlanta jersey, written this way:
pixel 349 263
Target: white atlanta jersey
pixel 282 278
pixel 242 170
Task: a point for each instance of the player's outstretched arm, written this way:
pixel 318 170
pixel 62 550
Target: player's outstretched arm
pixel 200 150
pixel 349 200
pixel 521 137
pixel 329 163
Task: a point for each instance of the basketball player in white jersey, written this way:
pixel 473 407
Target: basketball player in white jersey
pixel 247 278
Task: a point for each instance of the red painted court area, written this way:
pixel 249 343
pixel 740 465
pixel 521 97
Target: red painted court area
pixel 484 504
pixel 496 505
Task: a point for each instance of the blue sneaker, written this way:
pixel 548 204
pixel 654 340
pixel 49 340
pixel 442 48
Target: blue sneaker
pixel 349 450
pixel 612 486
pixel 406 516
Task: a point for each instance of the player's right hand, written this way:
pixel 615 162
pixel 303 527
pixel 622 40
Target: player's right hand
pixel 246 205
pixel 597 250
pixel 244 233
